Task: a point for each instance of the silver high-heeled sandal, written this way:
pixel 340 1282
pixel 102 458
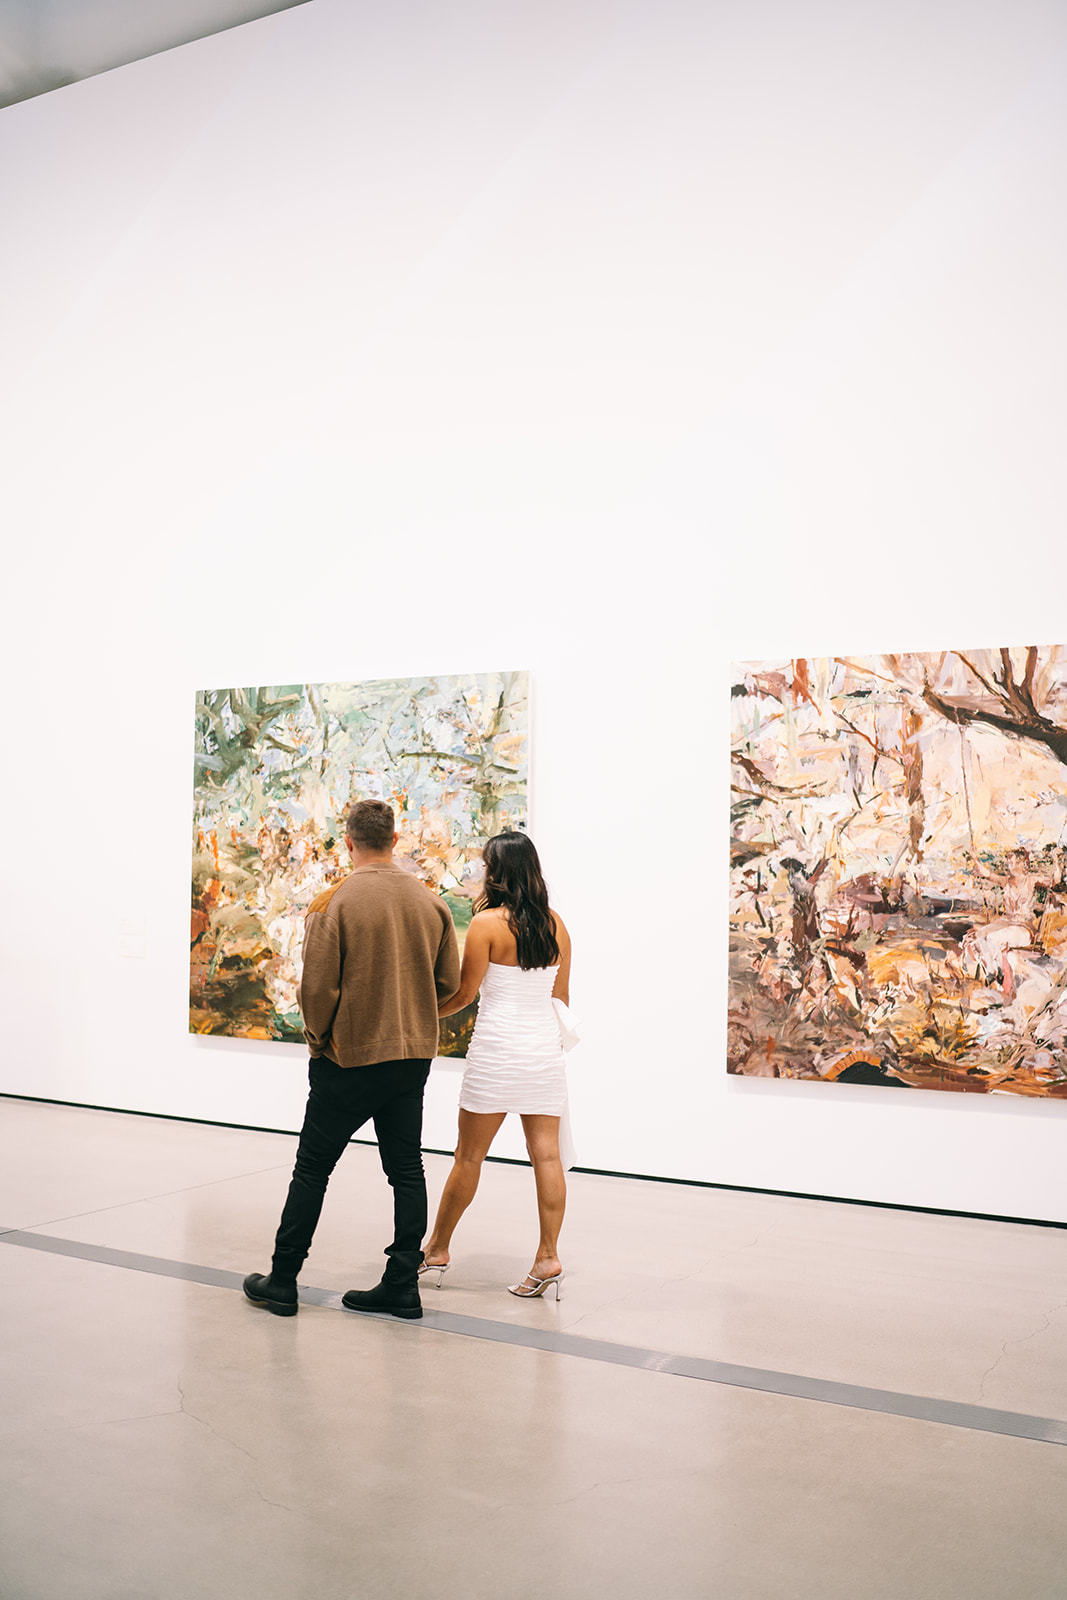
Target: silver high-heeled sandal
pixel 428 1266
pixel 539 1286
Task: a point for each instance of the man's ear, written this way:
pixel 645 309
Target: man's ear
pixel 396 840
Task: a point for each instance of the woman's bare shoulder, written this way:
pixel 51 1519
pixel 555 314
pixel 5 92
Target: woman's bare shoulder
pixel 489 918
pixel 491 925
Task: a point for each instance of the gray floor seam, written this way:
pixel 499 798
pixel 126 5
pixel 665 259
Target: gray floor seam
pixel 824 1391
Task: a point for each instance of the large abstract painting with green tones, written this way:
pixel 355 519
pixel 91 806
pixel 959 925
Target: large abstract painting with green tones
pixel 276 770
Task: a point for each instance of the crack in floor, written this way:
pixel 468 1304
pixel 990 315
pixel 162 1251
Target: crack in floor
pixel 164 1194
pixel 1024 1339
pixel 590 1488
pixel 184 1410
pixel 685 1278
pixel 114 1422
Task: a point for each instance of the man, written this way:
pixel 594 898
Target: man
pixel 379 954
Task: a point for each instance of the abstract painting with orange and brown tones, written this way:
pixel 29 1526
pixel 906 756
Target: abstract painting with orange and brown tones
pixel 898 908
pixel 276 770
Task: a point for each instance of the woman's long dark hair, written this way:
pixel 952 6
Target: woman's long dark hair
pixel 513 880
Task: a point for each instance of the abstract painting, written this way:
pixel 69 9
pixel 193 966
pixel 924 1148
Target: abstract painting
pixel 898 904
pixel 276 770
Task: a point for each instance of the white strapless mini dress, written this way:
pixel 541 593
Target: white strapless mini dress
pixel 515 1057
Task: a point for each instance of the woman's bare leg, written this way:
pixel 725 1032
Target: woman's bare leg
pixel 476 1133
pixel 542 1142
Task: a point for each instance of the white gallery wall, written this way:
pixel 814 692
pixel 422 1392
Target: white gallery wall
pixel 612 341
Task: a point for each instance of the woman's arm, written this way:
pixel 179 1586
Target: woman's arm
pixel 561 989
pixel 475 965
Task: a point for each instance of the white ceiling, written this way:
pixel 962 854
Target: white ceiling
pixel 45 44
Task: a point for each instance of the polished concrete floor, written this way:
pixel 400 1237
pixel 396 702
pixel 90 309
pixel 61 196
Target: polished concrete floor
pixel 165 1440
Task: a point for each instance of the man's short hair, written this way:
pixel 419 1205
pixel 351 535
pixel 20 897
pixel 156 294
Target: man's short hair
pixel 371 825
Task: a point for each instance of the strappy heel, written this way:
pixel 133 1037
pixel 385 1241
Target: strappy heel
pixel 539 1286
pixel 440 1270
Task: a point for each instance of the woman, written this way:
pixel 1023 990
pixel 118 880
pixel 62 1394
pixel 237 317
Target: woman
pixel 518 953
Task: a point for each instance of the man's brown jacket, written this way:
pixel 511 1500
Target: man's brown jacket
pixel 379 953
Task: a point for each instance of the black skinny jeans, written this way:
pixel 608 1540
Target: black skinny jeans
pixel 340 1101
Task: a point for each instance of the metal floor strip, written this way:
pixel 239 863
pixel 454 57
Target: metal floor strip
pixel 921 1408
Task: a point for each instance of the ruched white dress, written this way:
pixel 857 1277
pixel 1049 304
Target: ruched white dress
pixel 515 1057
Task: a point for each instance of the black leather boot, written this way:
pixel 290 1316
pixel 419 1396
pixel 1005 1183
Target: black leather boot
pixel 276 1294
pixel 394 1299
